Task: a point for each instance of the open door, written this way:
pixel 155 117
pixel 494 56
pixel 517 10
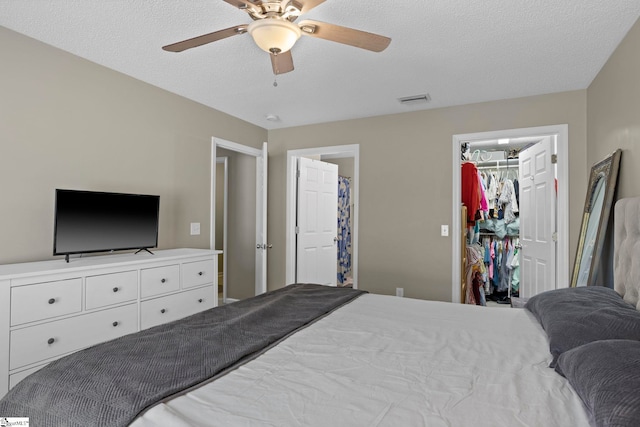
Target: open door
pixel 317 222
pixel 537 227
pixel 261 222
pixel 261 206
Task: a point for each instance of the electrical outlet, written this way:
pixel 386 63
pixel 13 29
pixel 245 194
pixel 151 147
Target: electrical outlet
pixel 399 292
pixel 195 228
pixel 444 230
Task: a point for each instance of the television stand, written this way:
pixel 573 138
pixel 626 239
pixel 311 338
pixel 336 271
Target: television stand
pixel 144 249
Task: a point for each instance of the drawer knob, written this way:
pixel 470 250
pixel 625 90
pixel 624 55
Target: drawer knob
pixel 51 341
pixel 115 289
pixel 200 273
pixel 163 280
pixel 52 300
pixel 200 300
pixel 115 323
pixel 163 311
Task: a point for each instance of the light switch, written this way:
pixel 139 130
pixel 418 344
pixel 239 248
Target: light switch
pixel 444 230
pixel 195 228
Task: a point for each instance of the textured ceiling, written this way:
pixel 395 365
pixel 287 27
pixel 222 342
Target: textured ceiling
pixel 457 51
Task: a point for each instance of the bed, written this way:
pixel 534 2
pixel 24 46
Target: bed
pixel 571 357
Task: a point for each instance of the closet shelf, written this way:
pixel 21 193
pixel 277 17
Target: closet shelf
pixel 494 163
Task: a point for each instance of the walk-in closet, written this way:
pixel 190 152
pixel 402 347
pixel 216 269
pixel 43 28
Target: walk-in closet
pixel 491 197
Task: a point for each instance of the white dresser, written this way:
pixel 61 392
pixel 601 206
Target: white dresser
pixel 52 308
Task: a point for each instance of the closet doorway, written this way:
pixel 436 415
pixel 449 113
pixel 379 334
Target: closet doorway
pixel 528 140
pixel 347 159
pixel 221 218
pixel 245 228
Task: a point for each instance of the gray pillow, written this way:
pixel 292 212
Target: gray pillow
pixel 575 316
pixel 606 376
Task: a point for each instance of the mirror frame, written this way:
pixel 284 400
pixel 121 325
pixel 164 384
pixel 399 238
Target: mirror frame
pixel 606 169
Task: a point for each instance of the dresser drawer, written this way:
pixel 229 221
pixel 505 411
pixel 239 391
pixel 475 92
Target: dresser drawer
pixel 159 280
pixel 50 340
pixel 198 273
pixel 45 300
pixel 172 307
pixel 19 376
pixel 109 289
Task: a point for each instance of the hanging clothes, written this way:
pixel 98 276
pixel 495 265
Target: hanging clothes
pixel 484 207
pixel 515 268
pixel 493 229
pixel 508 200
pixel 475 275
pixel 344 230
pixel 470 190
pixel 492 191
pixel 505 270
pixel 502 264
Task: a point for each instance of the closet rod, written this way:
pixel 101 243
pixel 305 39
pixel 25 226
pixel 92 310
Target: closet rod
pixel 494 163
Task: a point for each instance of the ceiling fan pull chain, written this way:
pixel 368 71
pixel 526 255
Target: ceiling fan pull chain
pixel 276 70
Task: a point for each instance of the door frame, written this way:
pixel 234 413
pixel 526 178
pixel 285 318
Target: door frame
pixel 261 203
pixel 561 132
pixel 332 152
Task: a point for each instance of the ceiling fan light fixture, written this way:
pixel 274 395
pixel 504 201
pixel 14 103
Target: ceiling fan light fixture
pixel 274 35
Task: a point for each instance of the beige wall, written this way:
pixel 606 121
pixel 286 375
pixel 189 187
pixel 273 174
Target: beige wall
pixel 346 166
pixel 613 121
pixel 406 184
pixel 69 123
pixel 613 112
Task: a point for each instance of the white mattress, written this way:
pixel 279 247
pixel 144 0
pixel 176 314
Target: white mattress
pixel 388 361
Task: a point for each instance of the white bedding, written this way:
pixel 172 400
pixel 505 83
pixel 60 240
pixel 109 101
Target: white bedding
pixel 388 361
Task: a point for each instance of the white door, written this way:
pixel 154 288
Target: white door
pixel 537 219
pixel 261 205
pixel 317 223
pixel 261 222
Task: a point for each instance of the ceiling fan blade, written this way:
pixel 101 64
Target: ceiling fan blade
pixel 206 38
pixel 344 35
pixel 242 4
pixel 282 62
pixel 307 5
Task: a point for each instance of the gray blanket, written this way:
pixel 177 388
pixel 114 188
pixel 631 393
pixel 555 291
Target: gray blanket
pixel 111 383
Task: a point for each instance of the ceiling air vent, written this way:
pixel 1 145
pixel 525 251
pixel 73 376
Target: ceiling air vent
pixel 415 100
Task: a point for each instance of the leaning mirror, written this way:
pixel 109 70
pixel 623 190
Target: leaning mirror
pixel 595 218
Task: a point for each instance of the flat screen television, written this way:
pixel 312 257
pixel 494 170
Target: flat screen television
pixel 91 221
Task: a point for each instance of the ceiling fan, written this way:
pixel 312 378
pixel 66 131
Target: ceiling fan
pixel 273 31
